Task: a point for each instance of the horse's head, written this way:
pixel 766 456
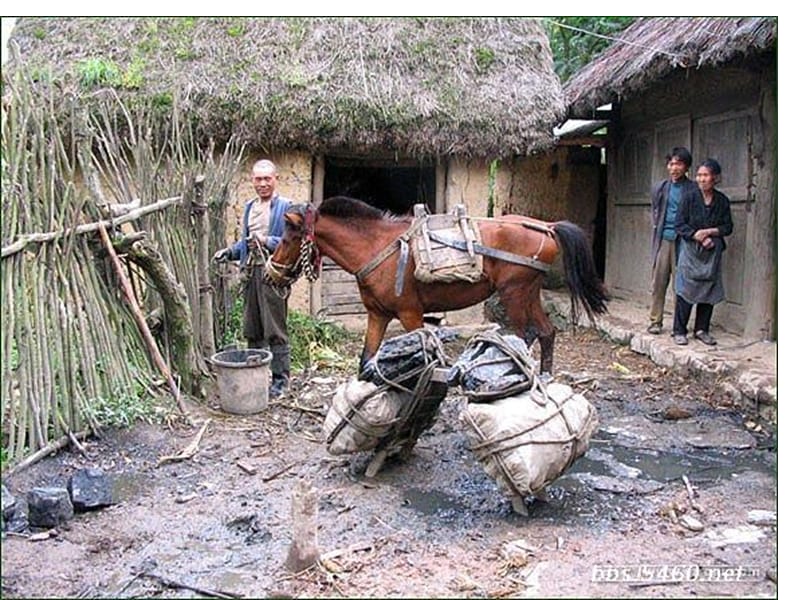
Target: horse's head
pixel 297 253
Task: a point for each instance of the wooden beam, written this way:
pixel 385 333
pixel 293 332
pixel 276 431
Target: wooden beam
pixel 317 196
pixel 38 238
pixel 597 142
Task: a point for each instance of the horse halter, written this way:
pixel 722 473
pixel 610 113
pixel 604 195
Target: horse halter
pixel 308 260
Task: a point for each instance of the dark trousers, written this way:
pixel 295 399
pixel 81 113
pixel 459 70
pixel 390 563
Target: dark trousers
pixel 683 309
pixel 265 312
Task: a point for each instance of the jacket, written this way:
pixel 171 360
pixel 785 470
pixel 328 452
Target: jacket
pixel 276 225
pixel 658 212
pixel 692 215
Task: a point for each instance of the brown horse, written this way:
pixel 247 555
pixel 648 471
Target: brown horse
pixel 356 235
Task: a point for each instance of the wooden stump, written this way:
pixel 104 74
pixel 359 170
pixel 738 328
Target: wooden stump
pixel 303 552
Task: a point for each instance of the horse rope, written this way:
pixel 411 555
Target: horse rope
pixel 308 250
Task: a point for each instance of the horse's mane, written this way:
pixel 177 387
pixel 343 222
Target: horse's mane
pixel 343 207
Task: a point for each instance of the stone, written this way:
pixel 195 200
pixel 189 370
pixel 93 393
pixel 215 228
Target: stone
pixel 90 489
pixel 18 523
pixel 621 485
pixel 762 517
pixel 745 534
pixel 15 512
pixel 49 507
pixel 690 523
pixel 9 502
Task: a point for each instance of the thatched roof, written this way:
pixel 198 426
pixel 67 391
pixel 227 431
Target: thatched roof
pixel 652 48
pixel 424 86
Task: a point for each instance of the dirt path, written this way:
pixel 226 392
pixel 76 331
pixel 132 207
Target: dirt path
pixel 436 525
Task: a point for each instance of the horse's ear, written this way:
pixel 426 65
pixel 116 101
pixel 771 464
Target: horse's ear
pixel 293 219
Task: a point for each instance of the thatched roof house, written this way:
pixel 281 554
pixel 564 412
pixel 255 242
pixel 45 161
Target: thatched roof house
pixel 709 84
pixel 652 48
pixel 395 111
pixel 419 86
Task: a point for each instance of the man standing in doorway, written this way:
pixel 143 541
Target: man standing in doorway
pixel 665 199
pixel 265 308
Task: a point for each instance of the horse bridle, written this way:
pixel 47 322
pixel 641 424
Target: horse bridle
pixel 308 261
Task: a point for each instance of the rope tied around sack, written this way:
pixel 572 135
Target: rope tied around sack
pixel 494 448
pixel 430 344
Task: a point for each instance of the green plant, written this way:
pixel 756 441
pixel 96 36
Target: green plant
pixel 183 24
pixel 575 41
pixel 98 72
pixel 39 33
pixel 162 100
pixel 484 58
pixel 13 355
pixel 186 53
pixel 125 408
pixel 236 30
pixel 233 330
pixel 134 75
pixel 41 74
pixel 150 41
pixel 297 30
pixel 315 342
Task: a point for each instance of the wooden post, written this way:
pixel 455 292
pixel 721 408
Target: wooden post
pixel 440 201
pixel 317 196
pixel 206 300
pixel 142 323
pixel 303 552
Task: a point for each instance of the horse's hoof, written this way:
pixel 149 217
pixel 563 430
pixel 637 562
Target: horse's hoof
pixel 545 377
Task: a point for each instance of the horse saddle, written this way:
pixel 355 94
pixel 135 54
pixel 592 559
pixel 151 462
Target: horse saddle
pixel 443 246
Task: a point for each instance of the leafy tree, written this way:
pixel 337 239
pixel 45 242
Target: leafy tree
pixel 576 40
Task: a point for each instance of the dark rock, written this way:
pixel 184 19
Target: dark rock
pixel 49 507
pixel 90 489
pixel 493 366
pixel 15 512
pixel 403 358
pixel 9 502
pixel 18 521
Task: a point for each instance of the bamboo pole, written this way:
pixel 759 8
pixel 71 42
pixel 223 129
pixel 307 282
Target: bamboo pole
pixel 141 322
pixel 43 372
pixel 199 206
pixel 34 238
pixel 44 451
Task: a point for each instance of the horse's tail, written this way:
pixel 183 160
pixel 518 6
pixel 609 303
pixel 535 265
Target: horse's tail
pixel 582 280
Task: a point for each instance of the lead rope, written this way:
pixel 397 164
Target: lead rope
pixel 310 266
pixel 266 257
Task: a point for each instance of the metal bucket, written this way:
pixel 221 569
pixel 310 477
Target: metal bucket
pixel 243 379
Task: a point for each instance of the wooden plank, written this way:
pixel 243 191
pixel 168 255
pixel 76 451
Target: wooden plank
pixel 347 309
pixel 338 299
pixel 338 276
pixel 341 287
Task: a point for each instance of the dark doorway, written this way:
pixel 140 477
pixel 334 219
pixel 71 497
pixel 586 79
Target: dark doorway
pixel 388 185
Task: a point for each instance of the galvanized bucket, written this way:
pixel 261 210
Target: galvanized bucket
pixel 243 379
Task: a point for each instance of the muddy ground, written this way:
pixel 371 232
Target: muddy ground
pixel 436 525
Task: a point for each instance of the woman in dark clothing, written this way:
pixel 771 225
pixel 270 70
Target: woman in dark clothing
pixel 703 221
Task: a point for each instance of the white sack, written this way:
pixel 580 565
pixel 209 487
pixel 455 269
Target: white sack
pixel 363 414
pixel 527 441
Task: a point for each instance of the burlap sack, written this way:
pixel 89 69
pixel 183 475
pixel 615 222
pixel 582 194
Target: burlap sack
pixel 527 441
pixel 361 413
pixel 436 260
